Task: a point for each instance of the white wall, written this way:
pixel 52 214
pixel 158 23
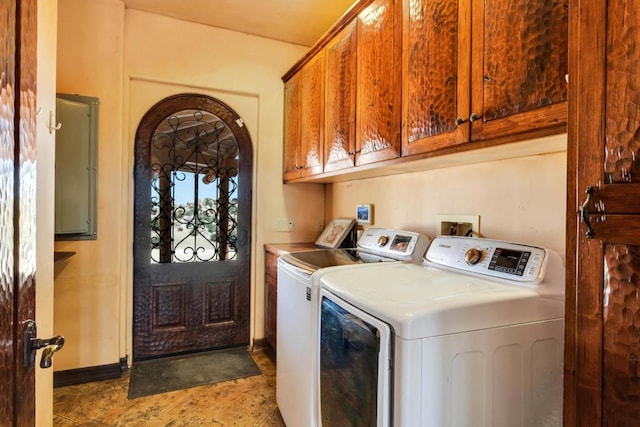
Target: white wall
pixel 520 199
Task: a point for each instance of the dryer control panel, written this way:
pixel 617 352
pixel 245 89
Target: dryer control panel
pixel 393 244
pixel 495 258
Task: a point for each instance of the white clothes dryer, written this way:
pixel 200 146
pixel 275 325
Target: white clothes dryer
pixel 297 312
pixel 472 337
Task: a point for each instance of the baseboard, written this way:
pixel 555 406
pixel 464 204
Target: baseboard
pixel 259 344
pixel 89 374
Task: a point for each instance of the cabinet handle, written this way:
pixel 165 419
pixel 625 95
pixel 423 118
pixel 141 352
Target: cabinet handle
pixel 473 117
pixel 584 212
pixel 460 121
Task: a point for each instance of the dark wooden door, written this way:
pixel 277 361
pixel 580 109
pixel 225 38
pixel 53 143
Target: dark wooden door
pixel 602 346
pixel 379 41
pixel 519 64
pixel 193 178
pixel 17 206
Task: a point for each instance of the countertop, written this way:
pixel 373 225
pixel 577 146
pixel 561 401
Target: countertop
pixel 285 248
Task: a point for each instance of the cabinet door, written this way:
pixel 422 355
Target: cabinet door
pixel 602 350
pixel 519 64
pixel 291 167
pixel 379 42
pixel 340 100
pixel 312 115
pixel 436 67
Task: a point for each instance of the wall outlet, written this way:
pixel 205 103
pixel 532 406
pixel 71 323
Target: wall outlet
pixel 284 224
pixel 458 225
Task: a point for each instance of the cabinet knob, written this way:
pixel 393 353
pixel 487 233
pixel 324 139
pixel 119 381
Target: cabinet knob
pixel 460 121
pixel 473 117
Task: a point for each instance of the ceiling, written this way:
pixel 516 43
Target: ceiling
pixel 301 22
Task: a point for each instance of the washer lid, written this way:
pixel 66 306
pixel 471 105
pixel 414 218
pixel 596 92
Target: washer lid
pixel 421 301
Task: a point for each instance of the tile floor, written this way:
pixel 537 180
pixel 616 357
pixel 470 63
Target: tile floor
pixel 243 402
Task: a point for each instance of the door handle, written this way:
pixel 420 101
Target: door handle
pixel 32 344
pixel 584 213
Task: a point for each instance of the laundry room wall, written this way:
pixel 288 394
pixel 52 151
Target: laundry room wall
pixel 131 60
pixel 520 199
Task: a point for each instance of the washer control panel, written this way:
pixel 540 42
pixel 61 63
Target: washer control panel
pixel 495 258
pixel 395 244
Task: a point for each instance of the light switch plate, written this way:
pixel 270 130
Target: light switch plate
pixel 284 224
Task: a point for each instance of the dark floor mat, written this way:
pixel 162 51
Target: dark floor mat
pixel 163 375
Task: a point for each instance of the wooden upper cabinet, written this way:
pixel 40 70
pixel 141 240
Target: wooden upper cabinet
pixel 340 100
pixel 312 116
pixel 482 70
pixel 303 121
pixel 435 67
pixel 291 166
pixel 519 63
pixel 379 40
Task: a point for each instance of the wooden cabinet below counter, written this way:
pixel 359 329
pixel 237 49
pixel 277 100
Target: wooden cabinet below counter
pixel 271 254
pixel 270 297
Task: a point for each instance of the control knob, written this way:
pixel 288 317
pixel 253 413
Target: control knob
pixel 473 256
pixel 382 240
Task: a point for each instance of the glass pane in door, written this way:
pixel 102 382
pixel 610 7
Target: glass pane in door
pixel 194 183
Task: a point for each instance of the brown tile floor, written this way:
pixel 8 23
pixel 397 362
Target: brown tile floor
pixel 243 402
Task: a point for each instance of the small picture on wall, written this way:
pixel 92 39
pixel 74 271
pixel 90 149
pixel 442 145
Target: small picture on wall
pixel 364 214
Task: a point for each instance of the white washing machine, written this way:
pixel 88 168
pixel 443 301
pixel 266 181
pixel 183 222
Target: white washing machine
pixel 472 337
pixel 297 313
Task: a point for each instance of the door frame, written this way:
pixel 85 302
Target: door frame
pixel 147 124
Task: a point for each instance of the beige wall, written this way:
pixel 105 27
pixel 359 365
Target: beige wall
pixel 131 60
pixel 519 199
pixel 45 154
pixel 88 287
pixel 164 56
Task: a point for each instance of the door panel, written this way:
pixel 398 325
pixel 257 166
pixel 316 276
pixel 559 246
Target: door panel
pixel 621 387
pixel 378 88
pixel 603 225
pixel 340 100
pixel 519 66
pixel 17 206
pixel 7 329
pixel 312 116
pixel 192 222
pixel 435 60
pixel 292 140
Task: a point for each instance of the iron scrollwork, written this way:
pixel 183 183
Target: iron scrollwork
pixel 194 184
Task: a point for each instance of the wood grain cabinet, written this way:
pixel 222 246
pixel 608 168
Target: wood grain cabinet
pixel 304 120
pixel 270 297
pixel 602 340
pixel 340 101
pixel 476 71
pixel 362 114
pixel 378 99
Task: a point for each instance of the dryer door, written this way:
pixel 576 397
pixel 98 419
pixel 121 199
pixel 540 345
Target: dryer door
pixel 355 367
